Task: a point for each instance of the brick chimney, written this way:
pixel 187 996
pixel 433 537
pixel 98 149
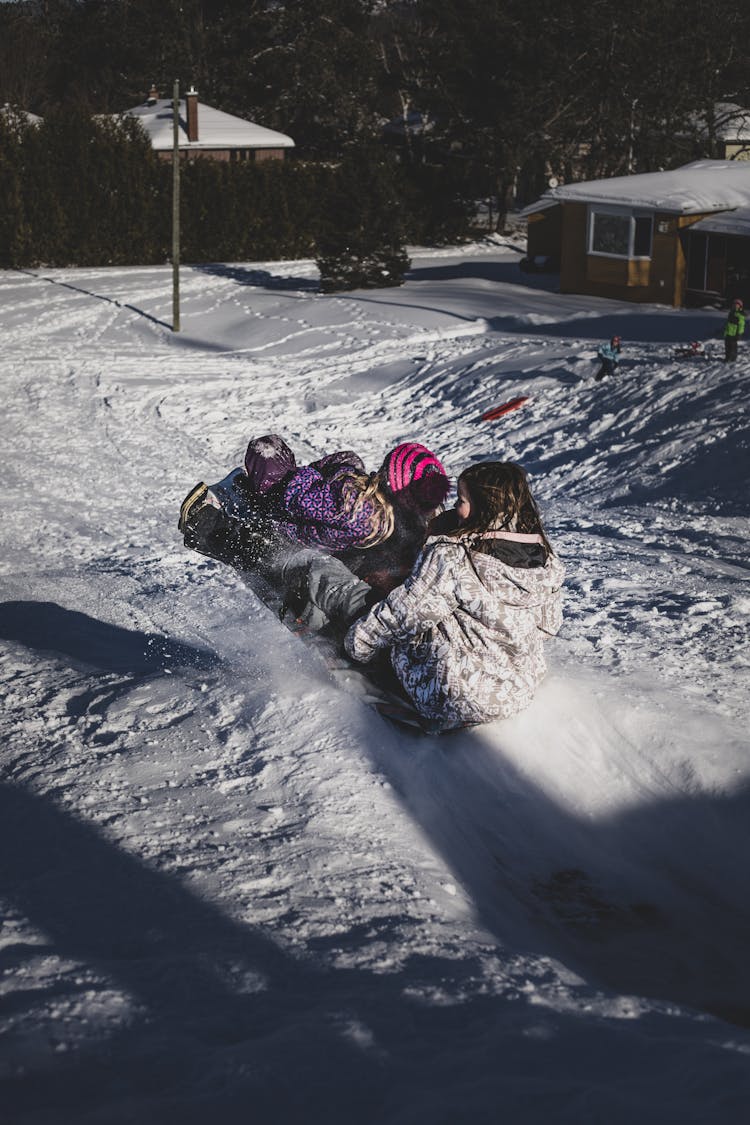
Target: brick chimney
pixel 191 108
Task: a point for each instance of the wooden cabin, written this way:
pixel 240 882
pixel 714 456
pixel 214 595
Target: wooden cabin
pixel 650 237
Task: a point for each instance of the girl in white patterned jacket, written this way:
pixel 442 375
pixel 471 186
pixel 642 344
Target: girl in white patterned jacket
pixel 466 630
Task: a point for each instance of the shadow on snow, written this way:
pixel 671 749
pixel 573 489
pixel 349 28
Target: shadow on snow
pixel 47 627
pixel 98 296
pixel 225 1019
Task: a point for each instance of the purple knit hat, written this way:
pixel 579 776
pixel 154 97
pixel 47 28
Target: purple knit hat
pixel 267 461
pixel 414 467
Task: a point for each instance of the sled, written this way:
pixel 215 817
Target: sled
pixel 499 411
pixel 369 685
pixel 694 350
pixel 376 685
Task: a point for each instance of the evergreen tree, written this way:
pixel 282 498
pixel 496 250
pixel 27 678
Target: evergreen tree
pixel 15 131
pixel 506 78
pixel 361 243
pixel 322 69
pixel 25 44
pixel 92 192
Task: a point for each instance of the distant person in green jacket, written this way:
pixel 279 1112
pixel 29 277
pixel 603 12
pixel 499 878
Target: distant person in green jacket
pixel 734 328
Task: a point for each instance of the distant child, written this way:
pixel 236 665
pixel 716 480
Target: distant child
pixel 609 354
pixel 734 328
pixel 465 631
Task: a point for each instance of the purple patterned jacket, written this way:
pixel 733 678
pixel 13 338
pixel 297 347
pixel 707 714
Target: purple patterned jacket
pixel 316 508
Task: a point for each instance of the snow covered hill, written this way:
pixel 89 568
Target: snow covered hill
pixel 231 891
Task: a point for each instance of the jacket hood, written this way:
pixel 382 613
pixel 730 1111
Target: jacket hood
pixel 517 586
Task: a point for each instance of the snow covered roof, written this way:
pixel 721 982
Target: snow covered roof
pixel 10 111
pixel 704 185
pixel 735 222
pixel 731 122
pixel 216 129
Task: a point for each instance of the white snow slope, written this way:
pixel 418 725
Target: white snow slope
pixel 230 891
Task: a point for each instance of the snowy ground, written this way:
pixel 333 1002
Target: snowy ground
pixel 232 893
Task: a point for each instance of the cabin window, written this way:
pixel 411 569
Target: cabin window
pixel 610 234
pixel 620 233
pixel 642 225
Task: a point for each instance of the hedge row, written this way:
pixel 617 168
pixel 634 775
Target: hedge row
pixel 81 191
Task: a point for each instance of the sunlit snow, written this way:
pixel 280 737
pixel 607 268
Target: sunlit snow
pixel 232 892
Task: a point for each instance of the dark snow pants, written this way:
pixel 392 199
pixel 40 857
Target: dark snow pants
pixel 607 368
pixel 730 348
pixel 318 588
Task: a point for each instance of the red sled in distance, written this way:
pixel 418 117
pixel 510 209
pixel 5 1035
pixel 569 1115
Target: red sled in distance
pixel 498 411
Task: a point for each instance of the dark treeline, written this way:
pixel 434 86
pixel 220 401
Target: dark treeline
pixel 77 189
pixel 478 99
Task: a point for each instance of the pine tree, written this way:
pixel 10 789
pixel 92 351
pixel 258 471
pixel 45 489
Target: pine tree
pixel 14 232
pixel 361 244
pixel 321 66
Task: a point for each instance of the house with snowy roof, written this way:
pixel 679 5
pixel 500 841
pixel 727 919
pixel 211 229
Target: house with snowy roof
pixel 11 112
pixel 206 132
pixel 726 130
pixel 678 237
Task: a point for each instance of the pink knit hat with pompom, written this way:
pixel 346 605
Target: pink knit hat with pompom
pixel 415 467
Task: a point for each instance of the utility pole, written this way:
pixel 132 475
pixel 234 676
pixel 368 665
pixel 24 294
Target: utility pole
pixel 176 207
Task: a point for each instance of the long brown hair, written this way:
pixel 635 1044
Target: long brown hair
pixel 501 500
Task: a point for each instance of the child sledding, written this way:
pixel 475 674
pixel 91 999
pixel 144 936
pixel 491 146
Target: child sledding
pixel 457 602
pixel 695 349
pixel 609 357
pixel 465 631
pixel 328 535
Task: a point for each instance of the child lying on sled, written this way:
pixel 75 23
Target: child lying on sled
pixel 331 537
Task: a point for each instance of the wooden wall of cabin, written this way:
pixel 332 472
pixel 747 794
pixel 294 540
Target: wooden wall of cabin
pixel 660 279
